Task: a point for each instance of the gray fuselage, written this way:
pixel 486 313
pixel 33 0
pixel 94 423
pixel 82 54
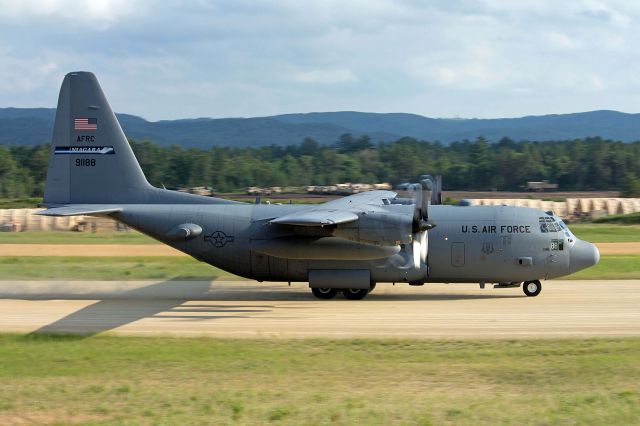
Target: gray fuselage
pixel 469 244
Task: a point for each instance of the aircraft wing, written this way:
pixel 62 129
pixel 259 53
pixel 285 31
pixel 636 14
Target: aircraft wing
pixel 80 209
pixel 342 210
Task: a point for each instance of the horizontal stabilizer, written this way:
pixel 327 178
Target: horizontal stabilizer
pixel 81 209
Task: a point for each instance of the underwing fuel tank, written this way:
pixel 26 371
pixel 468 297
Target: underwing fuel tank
pixel 325 248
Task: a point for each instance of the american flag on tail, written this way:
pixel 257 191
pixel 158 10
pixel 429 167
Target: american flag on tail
pixel 85 124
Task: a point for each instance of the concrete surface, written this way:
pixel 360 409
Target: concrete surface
pixel 249 309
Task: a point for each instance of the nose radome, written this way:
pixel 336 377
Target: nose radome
pixel 583 255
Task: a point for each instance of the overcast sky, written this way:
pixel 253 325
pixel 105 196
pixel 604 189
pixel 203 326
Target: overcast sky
pixel 171 59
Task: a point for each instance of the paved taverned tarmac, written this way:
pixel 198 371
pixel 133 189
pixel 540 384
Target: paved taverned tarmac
pixel 249 309
pixel 82 250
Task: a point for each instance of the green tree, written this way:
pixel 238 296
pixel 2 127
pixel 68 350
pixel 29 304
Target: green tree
pixel 630 186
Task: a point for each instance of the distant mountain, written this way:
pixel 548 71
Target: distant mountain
pixel 607 124
pixel 30 126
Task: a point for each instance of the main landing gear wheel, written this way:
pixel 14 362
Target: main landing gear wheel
pixel 532 288
pixel 355 293
pixel 324 293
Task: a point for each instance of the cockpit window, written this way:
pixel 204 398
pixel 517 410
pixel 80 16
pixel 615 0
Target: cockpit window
pixel 549 224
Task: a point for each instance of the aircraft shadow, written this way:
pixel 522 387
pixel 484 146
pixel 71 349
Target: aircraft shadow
pixel 129 306
pixel 167 300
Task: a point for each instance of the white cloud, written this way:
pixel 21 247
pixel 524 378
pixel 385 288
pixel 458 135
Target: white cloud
pixel 249 57
pixel 100 14
pixel 562 41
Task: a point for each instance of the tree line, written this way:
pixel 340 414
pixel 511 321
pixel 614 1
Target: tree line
pixel 580 164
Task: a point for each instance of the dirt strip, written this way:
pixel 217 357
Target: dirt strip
pixel 619 248
pixel 108 250
pixel 88 250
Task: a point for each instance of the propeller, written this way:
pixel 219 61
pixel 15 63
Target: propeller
pixel 421 224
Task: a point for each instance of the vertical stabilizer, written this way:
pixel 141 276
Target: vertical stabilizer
pixel 90 161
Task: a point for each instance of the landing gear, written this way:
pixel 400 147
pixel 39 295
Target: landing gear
pixel 349 293
pixel 355 293
pixel 324 293
pixel 532 288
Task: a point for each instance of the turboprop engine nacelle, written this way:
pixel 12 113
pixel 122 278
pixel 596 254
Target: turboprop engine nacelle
pixel 378 228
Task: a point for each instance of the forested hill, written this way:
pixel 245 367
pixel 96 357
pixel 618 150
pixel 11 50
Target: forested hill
pixel 588 164
pixel 32 126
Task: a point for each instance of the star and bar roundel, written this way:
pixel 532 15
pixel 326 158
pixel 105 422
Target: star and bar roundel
pixel 218 239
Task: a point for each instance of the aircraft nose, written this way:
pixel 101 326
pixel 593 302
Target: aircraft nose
pixel 583 255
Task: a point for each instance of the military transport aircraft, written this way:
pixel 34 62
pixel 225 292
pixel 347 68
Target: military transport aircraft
pixel 346 245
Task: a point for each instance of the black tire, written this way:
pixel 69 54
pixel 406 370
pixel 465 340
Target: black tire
pixel 355 293
pixel 532 288
pixel 324 293
pixel 373 286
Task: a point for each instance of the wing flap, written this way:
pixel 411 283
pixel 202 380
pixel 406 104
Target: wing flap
pixel 80 209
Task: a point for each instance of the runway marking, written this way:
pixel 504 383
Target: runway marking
pixel 248 309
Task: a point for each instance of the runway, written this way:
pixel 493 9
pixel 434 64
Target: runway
pixel 249 309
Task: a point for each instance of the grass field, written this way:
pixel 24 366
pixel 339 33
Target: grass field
pixel 66 237
pixel 611 267
pixel 107 268
pixel 20 203
pixel 130 268
pixel 159 380
pixel 627 219
pixel 606 233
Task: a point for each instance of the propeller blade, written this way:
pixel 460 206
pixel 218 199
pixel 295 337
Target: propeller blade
pixel 421 225
pixel 417 210
pixel 416 250
pixel 424 246
pixel 427 189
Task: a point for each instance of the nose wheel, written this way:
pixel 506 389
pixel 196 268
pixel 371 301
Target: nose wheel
pixel 532 288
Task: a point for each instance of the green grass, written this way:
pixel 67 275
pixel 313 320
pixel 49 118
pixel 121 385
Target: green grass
pixel 611 267
pixel 625 219
pixel 67 237
pixel 605 233
pixel 162 380
pixel 106 268
pixel 19 203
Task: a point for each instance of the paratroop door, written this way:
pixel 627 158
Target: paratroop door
pixel 457 254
